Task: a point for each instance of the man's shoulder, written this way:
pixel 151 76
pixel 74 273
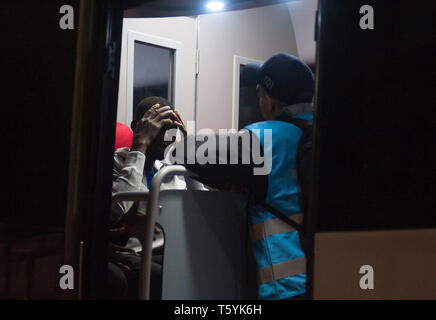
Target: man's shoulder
pixel 177 182
pixel 273 125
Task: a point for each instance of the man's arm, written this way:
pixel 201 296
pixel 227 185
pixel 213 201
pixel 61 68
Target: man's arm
pixel 127 177
pixel 228 162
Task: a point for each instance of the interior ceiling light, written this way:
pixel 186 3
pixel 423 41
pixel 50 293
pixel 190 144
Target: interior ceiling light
pixel 215 5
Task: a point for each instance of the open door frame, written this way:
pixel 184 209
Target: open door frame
pixel 93 132
pixel 92 143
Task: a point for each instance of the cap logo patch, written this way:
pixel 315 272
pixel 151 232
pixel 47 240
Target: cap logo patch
pixel 268 83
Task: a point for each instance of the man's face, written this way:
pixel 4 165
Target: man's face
pixel 159 145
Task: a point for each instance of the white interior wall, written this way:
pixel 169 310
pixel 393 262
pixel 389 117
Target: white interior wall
pixel 181 29
pixel 303 18
pixel 255 33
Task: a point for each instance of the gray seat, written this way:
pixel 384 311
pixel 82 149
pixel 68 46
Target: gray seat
pixel 207 253
pixel 206 248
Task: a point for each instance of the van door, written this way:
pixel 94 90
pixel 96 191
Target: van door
pixel 373 217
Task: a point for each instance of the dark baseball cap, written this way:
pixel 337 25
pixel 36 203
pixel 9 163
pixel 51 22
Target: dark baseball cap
pixel 283 76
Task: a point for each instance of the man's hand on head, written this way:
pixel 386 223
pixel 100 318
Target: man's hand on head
pixel 148 128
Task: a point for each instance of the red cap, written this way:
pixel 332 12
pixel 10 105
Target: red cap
pixel 123 136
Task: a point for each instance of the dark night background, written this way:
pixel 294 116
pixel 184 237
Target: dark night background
pixel 375 113
pixel 37 65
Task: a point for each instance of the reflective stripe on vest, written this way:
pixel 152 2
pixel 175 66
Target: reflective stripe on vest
pixel 273 226
pixel 281 270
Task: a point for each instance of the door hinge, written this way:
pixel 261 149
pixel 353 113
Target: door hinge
pixel 197 62
pixel 112 49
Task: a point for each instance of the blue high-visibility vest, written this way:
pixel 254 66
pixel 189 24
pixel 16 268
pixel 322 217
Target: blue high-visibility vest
pixel 281 263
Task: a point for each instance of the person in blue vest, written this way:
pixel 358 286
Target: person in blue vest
pixel 285 88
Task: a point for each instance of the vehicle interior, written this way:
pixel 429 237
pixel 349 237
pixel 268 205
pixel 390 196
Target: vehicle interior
pixel 66 90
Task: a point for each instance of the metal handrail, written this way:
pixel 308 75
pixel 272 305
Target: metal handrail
pixel 129 196
pixel 152 211
pixel 146 239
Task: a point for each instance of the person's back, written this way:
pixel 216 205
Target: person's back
pixel 285 87
pixel 276 245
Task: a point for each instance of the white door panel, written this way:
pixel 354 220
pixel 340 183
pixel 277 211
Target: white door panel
pixel 256 33
pixel 177 33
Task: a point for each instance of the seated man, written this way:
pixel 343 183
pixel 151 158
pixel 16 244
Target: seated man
pixel 134 168
pixel 133 171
